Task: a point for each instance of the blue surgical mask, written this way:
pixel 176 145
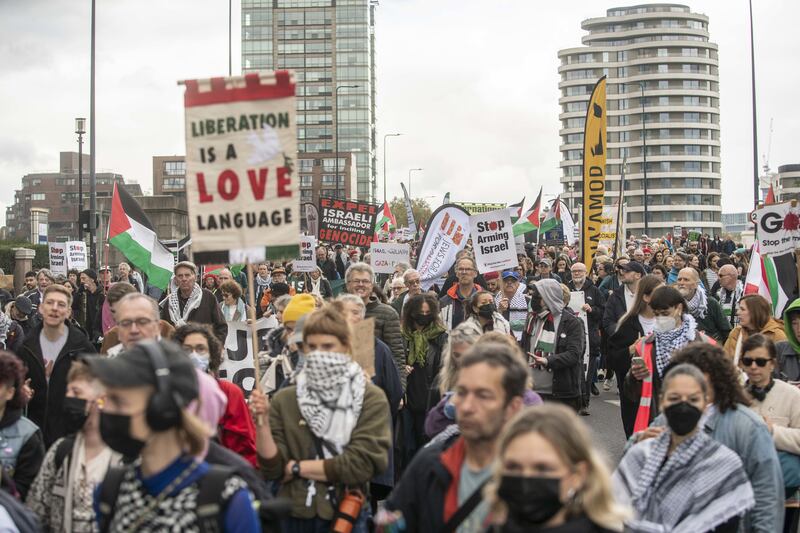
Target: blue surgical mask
pixel 200 362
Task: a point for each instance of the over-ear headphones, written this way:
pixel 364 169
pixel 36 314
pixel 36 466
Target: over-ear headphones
pixel 164 408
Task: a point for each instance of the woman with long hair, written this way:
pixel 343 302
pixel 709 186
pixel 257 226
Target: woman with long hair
pixel 657 259
pixel 683 480
pixel 548 477
pixel 755 316
pixel 562 269
pixel 326 436
pixel 637 323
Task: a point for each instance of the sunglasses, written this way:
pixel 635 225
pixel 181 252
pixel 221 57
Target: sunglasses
pixel 761 363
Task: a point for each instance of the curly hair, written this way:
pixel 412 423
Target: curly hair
pixel 413 306
pixel 214 346
pixel 723 376
pixel 12 374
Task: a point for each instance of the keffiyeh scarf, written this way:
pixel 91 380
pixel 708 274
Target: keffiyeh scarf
pixel 517 310
pixel 178 318
pixel 5 325
pixel 330 394
pixel 675 339
pixel 263 282
pixel 729 300
pixel 418 341
pixel 698 305
pixel 698 487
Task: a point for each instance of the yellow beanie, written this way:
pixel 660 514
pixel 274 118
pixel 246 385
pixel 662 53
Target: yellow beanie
pixel 299 305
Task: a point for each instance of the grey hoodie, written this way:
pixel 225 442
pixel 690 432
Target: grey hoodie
pixel 553 298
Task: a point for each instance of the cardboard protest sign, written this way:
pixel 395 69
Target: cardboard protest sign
pixel 493 241
pixel 77 256
pixel 237 362
pixel 58 258
pixel 346 222
pixel 312 219
pixel 364 345
pixel 608 227
pixel 383 256
pixel 446 235
pixel 577 299
pixel 306 262
pixel 777 228
pixel 241 146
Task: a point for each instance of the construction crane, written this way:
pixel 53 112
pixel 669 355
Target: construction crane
pixel 765 157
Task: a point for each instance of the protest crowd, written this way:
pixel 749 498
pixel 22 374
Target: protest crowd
pixel 383 406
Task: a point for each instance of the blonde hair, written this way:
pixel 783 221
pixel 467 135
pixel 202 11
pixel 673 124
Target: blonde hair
pixel 466 332
pixel 193 433
pixel 329 321
pixel 570 439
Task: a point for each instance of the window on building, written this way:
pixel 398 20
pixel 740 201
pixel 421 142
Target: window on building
pixel 175 168
pixel 37 196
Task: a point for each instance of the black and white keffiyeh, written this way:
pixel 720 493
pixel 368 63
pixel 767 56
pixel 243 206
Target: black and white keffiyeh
pixel 178 318
pixel 675 339
pixel 330 394
pixel 698 305
pixel 5 325
pixel 263 282
pixel 699 486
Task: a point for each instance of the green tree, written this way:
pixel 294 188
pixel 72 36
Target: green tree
pixel 420 208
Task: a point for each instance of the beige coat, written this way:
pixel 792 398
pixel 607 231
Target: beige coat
pixel 782 408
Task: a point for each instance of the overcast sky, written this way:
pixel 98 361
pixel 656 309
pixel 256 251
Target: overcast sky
pixel 472 85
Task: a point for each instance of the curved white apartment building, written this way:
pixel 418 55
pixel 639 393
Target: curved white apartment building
pixel 664 50
pixel 789 180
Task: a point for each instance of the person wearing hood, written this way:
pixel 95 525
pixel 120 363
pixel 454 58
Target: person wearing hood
pixel 482 312
pixel 554 342
pixel 787 366
pixel 512 302
pixel 593 306
pixel 674 328
pixel 755 316
pixel 454 303
pixel 706 311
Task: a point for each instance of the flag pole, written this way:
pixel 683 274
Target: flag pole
pixel 251 313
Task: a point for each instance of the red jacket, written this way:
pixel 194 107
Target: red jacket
pixel 236 429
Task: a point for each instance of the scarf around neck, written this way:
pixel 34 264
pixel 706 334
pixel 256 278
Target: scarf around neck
pixel 233 313
pixel 698 305
pixel 178 318
pixel 418 341
pixel 5 325
pixel 263 282
pixel 674 339
pixel 330 394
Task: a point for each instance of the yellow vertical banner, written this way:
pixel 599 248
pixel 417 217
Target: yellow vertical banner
pixel 594 171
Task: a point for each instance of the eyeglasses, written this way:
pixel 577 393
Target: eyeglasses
pixel 465 270
pixel 361 281
pixel 412 282
pixel 140 322
pixel 761 363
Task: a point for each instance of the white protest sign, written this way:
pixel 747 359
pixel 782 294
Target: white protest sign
pixel 383 256
pixel 446 235
pixel 306 261
pixel 237 362
pixel 76 255
pixel 608 226
pixel 58 258
pixel 577 299
pixel 241 149
pixel 777 228
pixel 493 241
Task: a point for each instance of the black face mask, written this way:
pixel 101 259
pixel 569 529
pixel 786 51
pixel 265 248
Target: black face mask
pixel 530 500
pixel 423 320
pixel 537 304
pixel 487 310
pixel 682 417
pixel 75 415
pixel 115 430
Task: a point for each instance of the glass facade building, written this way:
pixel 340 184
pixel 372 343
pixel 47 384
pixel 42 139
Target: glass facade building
pixel 664 51
pixel 328 44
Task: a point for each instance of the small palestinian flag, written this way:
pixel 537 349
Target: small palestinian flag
pixel 131 232
pixel 774 278
pixel 386 221
pixel 530 220
pixel 515 210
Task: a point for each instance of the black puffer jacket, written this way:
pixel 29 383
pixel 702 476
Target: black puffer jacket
pixel 594 297
pixel 567 357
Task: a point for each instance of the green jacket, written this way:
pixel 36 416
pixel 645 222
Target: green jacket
pixel 366 455
pixel 714 324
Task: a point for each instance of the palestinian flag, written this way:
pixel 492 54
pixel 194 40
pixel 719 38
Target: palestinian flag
pixel 530 220
pixel 770 199
pixel 515 210
pixel 774 278
pixel 386 221
pixel 130 231
pixel 553 217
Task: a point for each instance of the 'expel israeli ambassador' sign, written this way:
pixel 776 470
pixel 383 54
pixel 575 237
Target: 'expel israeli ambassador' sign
pixel 493 241
pixel 241 146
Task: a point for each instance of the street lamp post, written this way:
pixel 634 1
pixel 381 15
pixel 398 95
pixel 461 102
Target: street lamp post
pixel 384 161
pixel 337 129
pixel 92 138
pixel 644 156
pixel 410 170
pixel 80 129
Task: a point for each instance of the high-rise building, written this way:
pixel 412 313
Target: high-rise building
pixel 789 182
pixel 330 45
pixel 664 52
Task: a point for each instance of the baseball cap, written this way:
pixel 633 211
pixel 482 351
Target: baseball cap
pixel 133 368
pixel 633 266
pixel 545 261
pixel 23 305
pixel 511 274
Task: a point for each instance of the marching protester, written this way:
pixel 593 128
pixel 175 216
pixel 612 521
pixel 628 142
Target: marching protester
pixel 327 435
pixel 482 312
pixel 706 311
pixel 788 351
pixel 593 306
pixel 30 281
pixel 562 270
pixel 23 447
pixel 128 276
pixel 411 280
pixel 493 281
pixel 20 310
pixel 187 302
pixel 359 279
pixel 318 284
pixel 612 280
pixel 211 283
pixel 683 480
pixel 617 304
pixel 554 342
pixel 397 289
pixel 455 302
pixel 11 332
pixel 90 305
pixel 137 317
pixel 325 264
pixel 442 489
pixel 679 262
pixel 232 306
pixel 44 278
pixel 512 302
pixel 62 492
pixel 48 352
pixel 730 292
pixel 755 316
pixel 144 414
pixel 341 259
pixel 659 271
pixel 545 270
pixel 262 281
pixel 563 487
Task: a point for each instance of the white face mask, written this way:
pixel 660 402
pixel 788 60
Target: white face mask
pixel 664 324
pixel 200 361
